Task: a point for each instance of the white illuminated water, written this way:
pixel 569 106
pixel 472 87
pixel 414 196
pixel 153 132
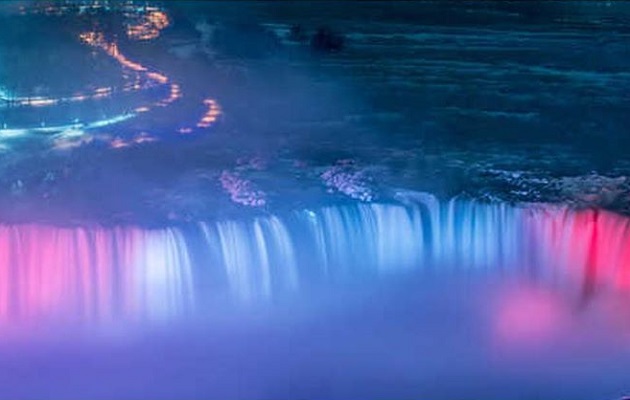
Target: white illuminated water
pixel 339 295
pixel 113 274
pixel 240 236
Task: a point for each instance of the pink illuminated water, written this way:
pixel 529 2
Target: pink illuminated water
pixel 489 296
pixel 100 273
pixel 91 274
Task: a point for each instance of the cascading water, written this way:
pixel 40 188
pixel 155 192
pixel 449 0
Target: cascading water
pixel 95 274
pixel 110 274
pixel 588 247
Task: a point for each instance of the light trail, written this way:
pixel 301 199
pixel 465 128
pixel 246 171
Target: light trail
pixel 147 24
pixel 150 25
pixel 211 116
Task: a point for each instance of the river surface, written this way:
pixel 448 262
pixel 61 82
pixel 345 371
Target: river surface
pixel 195 203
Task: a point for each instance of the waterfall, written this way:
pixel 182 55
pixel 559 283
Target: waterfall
pixel 589 249
pixel 256 256
pixel 92 273
pixel 131 273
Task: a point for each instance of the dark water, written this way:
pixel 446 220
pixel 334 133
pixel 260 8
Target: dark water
pixel 195 204
pixel 512 102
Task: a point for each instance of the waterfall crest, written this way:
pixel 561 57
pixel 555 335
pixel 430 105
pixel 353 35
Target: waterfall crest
pixel 125 273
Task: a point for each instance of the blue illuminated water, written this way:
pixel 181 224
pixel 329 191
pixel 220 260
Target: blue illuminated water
pixel 367 300
pixel 437 211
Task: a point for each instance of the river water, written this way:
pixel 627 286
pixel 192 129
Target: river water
pixel 208 208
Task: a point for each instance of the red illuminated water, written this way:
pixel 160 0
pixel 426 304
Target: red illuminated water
pixel 237 231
